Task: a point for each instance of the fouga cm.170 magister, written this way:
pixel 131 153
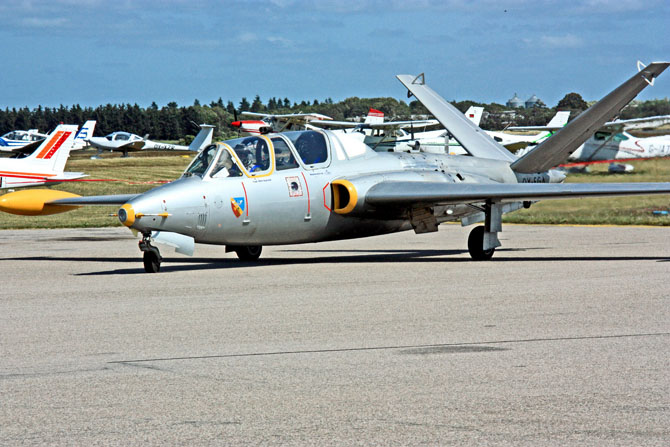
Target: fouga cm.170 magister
pixel 310 186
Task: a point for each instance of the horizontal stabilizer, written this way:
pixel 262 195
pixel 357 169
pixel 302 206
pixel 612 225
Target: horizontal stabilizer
pixel 403 194
pixel 556 149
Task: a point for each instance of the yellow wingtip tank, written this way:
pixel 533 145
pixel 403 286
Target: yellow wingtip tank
pixel 32 202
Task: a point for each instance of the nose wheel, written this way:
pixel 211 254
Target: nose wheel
pixel 152 257
pixel 247 252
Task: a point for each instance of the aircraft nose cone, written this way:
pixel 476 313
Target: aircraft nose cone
pixel 127 215
pixel 236 123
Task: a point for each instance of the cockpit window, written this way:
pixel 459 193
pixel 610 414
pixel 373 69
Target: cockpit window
pixel 283 156
pixel 311 146
pixel 253 153
pixel 225 166
pixel 602 135
pixel 202 161
pixel 122 137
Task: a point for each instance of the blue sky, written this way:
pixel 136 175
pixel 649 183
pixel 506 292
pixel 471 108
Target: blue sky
pixel 94 52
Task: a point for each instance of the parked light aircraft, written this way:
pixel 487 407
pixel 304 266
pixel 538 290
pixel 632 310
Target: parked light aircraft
pixel 402 136
pixel 515 141
pixel 613 144
pixel 267 122
pixel 129 142
pixel 86 131
pixel 44 165
pixel 316 185
pixel 19 138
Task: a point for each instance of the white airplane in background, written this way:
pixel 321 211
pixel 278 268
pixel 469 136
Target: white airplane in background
pixel 515 141
pixel 45 164
pixel 400 136
pixel 612 144
pixel 267 122
pixel 19 138
pixel 129 142
pixel 86 131
pixel 23 142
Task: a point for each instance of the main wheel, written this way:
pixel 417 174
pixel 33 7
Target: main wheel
pixel 152 263
pixel 249 252
pixel 476 245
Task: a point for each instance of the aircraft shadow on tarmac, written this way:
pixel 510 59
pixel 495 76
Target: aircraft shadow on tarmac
pixel 356 256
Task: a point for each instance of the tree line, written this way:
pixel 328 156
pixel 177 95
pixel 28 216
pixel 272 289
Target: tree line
pixel 173 122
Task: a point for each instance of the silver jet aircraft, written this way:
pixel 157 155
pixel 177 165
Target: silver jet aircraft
pixel 315 185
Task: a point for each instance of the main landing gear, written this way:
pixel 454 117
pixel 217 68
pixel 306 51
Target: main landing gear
pixel 483 240
pixel 246 252
pixel 476 245
pixel 152 257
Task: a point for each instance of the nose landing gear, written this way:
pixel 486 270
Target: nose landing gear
pixel 152 257
pixel 246 252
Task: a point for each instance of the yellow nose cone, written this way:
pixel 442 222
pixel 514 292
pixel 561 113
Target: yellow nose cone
pixel 127 215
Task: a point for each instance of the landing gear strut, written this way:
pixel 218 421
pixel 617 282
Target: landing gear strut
pixel 152 257
pixel 246 252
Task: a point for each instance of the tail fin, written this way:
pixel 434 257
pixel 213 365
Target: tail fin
pixel 474 114
pixel 556 149
pixel 374 117
pixel 560 119
pixel 54 151
pixel 84 133
pixel 203 139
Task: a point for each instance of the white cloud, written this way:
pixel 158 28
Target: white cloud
pixel 556 41
pixel 43 22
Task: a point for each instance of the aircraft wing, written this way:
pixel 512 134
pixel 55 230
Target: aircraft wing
pixel 471 137
pixel 403 194
pixel 316 116
pixel 335 124
pixel 27 149
pixel 382 126
pixel 637 123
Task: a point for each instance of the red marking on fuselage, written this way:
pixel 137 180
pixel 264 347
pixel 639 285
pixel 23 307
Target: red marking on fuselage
pixel 307 188
pixel 637 143
pixel 324 197
pixel 246 200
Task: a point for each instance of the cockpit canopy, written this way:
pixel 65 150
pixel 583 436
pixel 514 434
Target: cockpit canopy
pixel 123 136
pixel 257 156
pixel 22 135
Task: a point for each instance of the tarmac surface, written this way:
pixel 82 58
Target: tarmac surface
pixel 562 339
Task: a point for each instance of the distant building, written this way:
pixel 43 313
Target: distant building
pixel 532 102
pixel 515 102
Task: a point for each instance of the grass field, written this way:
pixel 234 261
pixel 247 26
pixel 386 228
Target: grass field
pixel 138 171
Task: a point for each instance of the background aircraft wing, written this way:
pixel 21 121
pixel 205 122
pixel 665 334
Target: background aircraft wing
pixel 403 194
pixel 324 124
pixel 637 123
pixel 28 148
pixel 471 137
pixel 387 125
pixel 316 116
pixel 403 124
